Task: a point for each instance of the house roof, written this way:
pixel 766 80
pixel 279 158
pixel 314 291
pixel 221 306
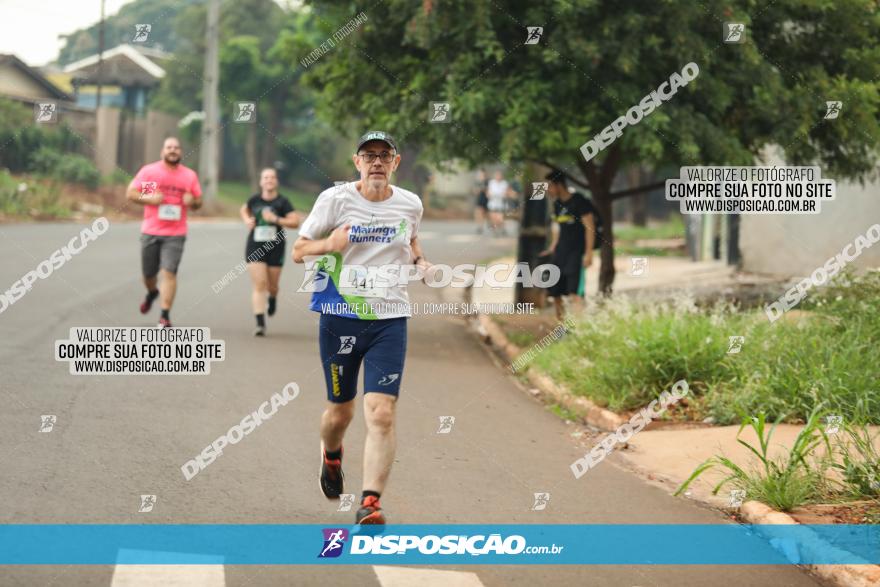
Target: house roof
pixel 124 65
pixel 53 90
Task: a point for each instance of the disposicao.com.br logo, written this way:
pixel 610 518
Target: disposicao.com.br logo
pixel 450 544
pixel 334 542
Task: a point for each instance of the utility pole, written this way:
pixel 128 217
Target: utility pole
pixel 209 151
pixel 100 57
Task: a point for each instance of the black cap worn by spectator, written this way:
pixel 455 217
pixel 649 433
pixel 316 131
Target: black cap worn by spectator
pixel 556 176
pixel 377 135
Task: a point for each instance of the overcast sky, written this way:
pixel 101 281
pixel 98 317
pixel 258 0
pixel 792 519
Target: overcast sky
pixel 30 28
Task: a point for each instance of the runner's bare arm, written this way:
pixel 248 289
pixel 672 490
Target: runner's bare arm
pixel 133 194
pixel 193 202
pixel 418 256
pixel 427 271
pixel 290 220
pixel 554 239
pixel 246 216
pixel 590 230
pixel 306 247
pixel 336 242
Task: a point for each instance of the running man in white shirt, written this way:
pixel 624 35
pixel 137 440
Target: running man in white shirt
pixel 356 228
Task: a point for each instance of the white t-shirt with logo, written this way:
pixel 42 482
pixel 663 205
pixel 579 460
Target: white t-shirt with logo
pixel 350 284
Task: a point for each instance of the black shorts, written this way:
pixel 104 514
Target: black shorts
pixel 482 201
pixel 571 271
pixel 270 252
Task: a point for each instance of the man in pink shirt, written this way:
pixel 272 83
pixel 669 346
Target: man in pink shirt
pixel 166 189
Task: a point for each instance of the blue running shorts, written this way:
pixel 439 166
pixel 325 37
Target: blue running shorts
pixel 346 343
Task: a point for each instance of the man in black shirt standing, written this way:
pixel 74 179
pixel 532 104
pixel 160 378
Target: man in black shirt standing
pixel 574 233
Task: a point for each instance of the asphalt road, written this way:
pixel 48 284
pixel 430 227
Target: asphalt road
pixel 117 437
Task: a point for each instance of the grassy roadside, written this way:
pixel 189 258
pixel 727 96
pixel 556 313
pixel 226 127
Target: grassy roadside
pixel 48 197
pixel 824 465
pixel 671 228
pixel 654 240
pixel 624 353
pixel 34 198
pixel 235 193
pixel 816 367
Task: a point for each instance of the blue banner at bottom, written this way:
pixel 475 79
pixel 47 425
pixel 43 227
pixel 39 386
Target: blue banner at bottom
pixel 437 544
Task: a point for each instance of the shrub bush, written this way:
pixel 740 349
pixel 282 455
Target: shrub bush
pixel 66 167
pixel 24 198
pixel 624 353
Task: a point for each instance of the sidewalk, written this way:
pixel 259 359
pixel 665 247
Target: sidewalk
pixel 662 274
pixel 670 455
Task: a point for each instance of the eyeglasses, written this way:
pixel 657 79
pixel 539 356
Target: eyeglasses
pixel 384 156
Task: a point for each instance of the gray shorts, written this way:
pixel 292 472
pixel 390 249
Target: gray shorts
pixel 160 251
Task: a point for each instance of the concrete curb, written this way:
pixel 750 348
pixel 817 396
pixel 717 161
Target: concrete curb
pixel 756 512
pixel 752 511
pixel 590 412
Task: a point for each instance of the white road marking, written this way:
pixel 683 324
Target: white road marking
pixel 427 234
pixel 408 576
pixel 206 575
pixel 168 576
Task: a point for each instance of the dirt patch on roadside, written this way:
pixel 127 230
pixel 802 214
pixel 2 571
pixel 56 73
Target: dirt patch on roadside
pixel 109 201
pixel 105 201
pixel 857 512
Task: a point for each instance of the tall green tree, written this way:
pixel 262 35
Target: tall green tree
pixel 249 71
pixel 515 102
pixel 181 89
pixel 246 74
pixel 119 28
pixel 313 152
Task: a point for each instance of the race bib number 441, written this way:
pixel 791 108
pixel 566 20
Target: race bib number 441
pixel 359 283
